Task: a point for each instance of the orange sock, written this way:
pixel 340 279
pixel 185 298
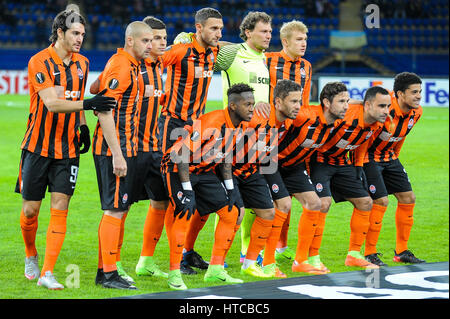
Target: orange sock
pixel 100 259
pixel 375 219
pixel 359 226
pixel 403 221
pixel 122 233
pixel 282 242
pixel 153 227
pixel 318 235
pixel 236 228
pixel 176 229
pixel 306 229
pixel 29 228
pixel 258 235
pixel 109 232
pixel 274 236
pixel 56 233
pixel 195 226
pixel 224 234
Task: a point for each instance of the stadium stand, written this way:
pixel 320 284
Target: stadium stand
pixel 413 35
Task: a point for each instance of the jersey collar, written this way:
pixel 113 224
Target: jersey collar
pixel 55 56
pixel 121 51
pixel 288 58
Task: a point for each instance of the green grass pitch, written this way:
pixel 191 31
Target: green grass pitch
pixel 424 155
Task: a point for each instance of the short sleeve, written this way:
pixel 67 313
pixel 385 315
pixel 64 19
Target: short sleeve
pixel 38 74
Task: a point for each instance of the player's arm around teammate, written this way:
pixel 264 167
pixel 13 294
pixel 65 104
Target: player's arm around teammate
pixel 50 152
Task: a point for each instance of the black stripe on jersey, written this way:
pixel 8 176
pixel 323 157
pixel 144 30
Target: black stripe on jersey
pixel 294 134
pixel 193 94
pixel 279 68
pixel 121 116
pixel 38 148
pixel 201 110
pixel 65 136
pixel 292 72
pixel 155 103
pixel 56 73
pixel 144 107
pixel 184 73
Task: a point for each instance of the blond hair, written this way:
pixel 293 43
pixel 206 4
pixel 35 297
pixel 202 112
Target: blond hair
pixel 288 27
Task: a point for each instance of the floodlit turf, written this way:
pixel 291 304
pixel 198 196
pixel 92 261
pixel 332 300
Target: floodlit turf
pixel 424 155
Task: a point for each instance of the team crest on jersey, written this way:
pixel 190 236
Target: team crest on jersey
pixel 372 189
pixel 319 187
pixel 113 84
pixel 303 73
pixel 80 73
pixel 369 134
pixel 211 56
pixel 195 135
pixel 125 198
pixel 180 195
pixel 275 188
pixel 40 77
pixel 410 123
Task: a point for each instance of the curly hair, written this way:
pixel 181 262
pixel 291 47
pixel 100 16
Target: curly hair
pixel 403 80
pixel 284 87
pixel 250 20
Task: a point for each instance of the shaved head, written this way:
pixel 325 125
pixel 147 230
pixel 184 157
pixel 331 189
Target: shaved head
pixel 136 29
pixel 138 39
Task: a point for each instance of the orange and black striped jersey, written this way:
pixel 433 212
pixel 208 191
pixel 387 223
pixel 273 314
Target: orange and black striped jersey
pixel 120 78
pixel 308 132
pixel 385 146
pixel 189 73
pixel 150 73
pixel 346 135
pixel 50 134
pixel 281 66
pixel 259 144
pixel 209 140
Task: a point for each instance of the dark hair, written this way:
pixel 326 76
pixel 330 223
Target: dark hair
pixel 403 80
pixel 250 20
pixel 204 14
pixel 284 87
pixel 330 90
pixel 154 23
pixel 234 92
pixel 373 91
pixel 64 21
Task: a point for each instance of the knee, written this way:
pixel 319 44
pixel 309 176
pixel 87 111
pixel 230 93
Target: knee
pixel 325 205
pixel 383 201
pixel 284 205
pixel 314 205
pixel 364 204
pixel 30 210
pixel 407 198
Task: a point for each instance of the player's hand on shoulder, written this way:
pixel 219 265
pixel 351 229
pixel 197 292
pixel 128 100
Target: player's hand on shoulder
pixel 183 37
pixel 99 103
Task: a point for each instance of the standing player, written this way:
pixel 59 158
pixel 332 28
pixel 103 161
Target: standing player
pixel 191 172
pixel 149 184
pixel 246 62
pixel 51 146
pixel 385 173
pixel 189 73
pixel 333 173
pixel 149 180
pixel 115 148
pixel 290 64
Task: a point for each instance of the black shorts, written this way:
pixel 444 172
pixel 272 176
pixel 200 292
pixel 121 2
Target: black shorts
pixel 339 182
pixel 386 178
pixel 37 172
pixel 254 191
pixel 116 193
pixel 167 131
pixel 276 185
pixel 210 193
pixel 148 181
pixel 297 179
